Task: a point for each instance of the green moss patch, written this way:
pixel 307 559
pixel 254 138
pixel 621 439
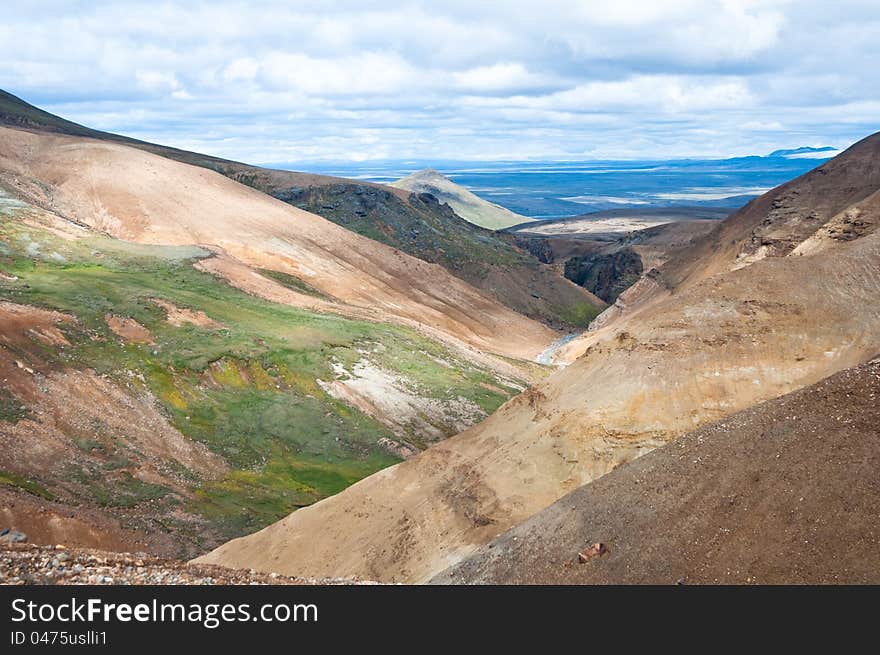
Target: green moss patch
pixel 19 482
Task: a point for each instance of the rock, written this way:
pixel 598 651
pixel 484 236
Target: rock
pixel 596 550
pixel 12 536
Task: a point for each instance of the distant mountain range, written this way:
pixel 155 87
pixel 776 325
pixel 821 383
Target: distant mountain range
pixel 554 189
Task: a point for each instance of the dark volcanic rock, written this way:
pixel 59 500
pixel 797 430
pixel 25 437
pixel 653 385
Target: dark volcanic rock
pixel 606 275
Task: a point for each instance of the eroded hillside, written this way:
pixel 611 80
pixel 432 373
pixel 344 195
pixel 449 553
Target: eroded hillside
pixel 148 405
pixel 133 195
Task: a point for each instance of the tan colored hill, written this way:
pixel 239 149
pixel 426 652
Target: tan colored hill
pixel 133 195
pixel 142 390
pixel 417 225
pixel 781 493
pixel 16 113
pixel 834 203
pixel 694 354
pixel 466 204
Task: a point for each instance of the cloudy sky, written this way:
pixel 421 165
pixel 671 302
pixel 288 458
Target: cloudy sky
pixel 557 79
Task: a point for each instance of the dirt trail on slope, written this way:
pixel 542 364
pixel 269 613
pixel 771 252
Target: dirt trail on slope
pixel 783 493
pixel 134 195
pixel 245 278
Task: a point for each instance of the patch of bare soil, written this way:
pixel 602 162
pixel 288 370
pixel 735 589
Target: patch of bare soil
pixel 178 316
pixel 44 521
pixel 242 276
pixel 128 329
pixel 395 402
pixel 783 493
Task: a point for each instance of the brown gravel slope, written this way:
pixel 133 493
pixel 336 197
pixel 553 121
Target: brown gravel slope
pixel 58 565
pixel 785 492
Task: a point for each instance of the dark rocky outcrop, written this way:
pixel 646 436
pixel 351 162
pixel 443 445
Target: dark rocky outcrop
pixel 606 275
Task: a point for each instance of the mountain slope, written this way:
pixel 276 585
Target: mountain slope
pixel 423 227
pixel 465 203
pixel 718 345
pixel 700 510
pixel 835 203
pixel 137 196
pixel 147 405
pixel 395 217
pixel 774 224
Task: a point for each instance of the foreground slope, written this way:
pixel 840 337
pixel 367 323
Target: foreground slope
pixel 720 345
pixel 466 204
pixel 133 195
pixel 784 492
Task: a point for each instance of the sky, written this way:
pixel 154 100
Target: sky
pixel 272 82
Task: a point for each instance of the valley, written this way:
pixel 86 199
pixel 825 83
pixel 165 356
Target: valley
pixel 300 375
pixel 711 331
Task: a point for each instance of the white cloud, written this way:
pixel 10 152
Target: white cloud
pixel 290 79
pixel 369 73
pixel 498 77
pixel 241 70
pixel 157 81
pixel 661 93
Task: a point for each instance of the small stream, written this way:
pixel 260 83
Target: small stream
pixel 546 357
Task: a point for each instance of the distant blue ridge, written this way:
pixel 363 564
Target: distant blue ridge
pixel 550 189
